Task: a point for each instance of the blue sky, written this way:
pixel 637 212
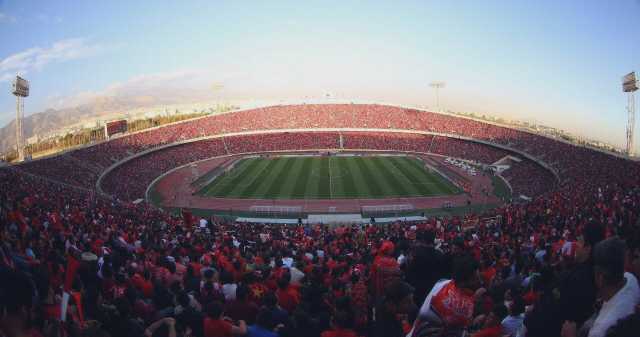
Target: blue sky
pixel 558 62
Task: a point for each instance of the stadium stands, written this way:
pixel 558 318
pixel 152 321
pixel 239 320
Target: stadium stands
pixel 130 180
pixel 131 267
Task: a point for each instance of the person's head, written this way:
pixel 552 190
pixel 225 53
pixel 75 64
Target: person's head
pixel 242 292
pixel 17 297
pixel 190 271
pixel 387 248
pixel 517 307
pixel 465 272
pixel 428 236
pixel 208 274
pixel 283 282
pixel 496 316
pixel 592 233
pixel 172 267
pixel 270 300
pixel 608 260
pixel 215 310
pixel 398 297
pixel 226 277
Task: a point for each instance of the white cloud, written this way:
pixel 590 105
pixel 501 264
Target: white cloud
pixel 163 85
pixel 143 83
pixel 6 77
pixel 37 57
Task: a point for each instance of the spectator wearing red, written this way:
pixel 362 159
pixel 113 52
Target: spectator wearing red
pixel 392 310
pixel 215 325
pixel 342 325
pixel 492 326
pixel 385 268
pixel 242 308
pixel 450 304
pixel 287 294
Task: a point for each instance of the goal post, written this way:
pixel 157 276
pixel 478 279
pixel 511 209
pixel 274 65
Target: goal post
pixel 269 211
pixel 380 210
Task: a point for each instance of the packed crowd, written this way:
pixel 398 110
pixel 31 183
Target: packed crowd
pixel 107 153
pixel 387 141
pixel 553 267
pixel 528 179
pixel 130 180
pixel 83 166
pixel 564 264
pixel 459 148
pixel 66 169
pixel 282 142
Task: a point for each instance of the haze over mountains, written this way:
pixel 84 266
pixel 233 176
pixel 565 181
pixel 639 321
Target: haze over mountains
pixel 94 109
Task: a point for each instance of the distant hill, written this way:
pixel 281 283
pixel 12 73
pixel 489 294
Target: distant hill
pixel 51 120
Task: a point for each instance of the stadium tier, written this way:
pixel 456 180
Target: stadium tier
pixel 83 166
pixel 115 260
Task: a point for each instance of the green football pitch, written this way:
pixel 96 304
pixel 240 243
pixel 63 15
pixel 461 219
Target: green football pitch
pixel 328 178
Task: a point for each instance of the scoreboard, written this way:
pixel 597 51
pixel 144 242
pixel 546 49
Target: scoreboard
pixel 114 127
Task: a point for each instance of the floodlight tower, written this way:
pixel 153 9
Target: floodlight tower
pixel 437 85
pixel 216 88
pixel 20 89
pixel 630 86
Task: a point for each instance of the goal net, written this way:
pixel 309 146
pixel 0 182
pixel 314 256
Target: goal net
pixel 378 210
pixel 275 211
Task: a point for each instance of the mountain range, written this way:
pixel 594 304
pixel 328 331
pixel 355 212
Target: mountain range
pixel 98 108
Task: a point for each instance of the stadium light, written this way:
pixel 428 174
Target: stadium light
pixel 216 89
pixel 437 85
pixel 20 89
pixel 630 86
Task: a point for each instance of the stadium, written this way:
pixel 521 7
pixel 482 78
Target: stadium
pixel 404 166
pixel 320 217
pixel 332 164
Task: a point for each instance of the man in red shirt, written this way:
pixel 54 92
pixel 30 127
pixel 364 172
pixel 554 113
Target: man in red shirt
pixel 342 324
pixel 242 308
pixel 492 326
pixel 288 295
pixel 385 268
pixel 450 304
pixel 215 325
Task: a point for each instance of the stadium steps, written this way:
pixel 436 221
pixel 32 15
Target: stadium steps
pixel 54 181
pixel 433 138
pixel 91 167
pixel 224 142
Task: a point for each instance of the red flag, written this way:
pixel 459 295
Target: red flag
pixel 77 297
pixel 188 218
pixel 72 269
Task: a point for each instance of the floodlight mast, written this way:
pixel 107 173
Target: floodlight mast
pixel 631 122
pixel 437 85
pixel 630 86
pixel 20 89
pixel 19 129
